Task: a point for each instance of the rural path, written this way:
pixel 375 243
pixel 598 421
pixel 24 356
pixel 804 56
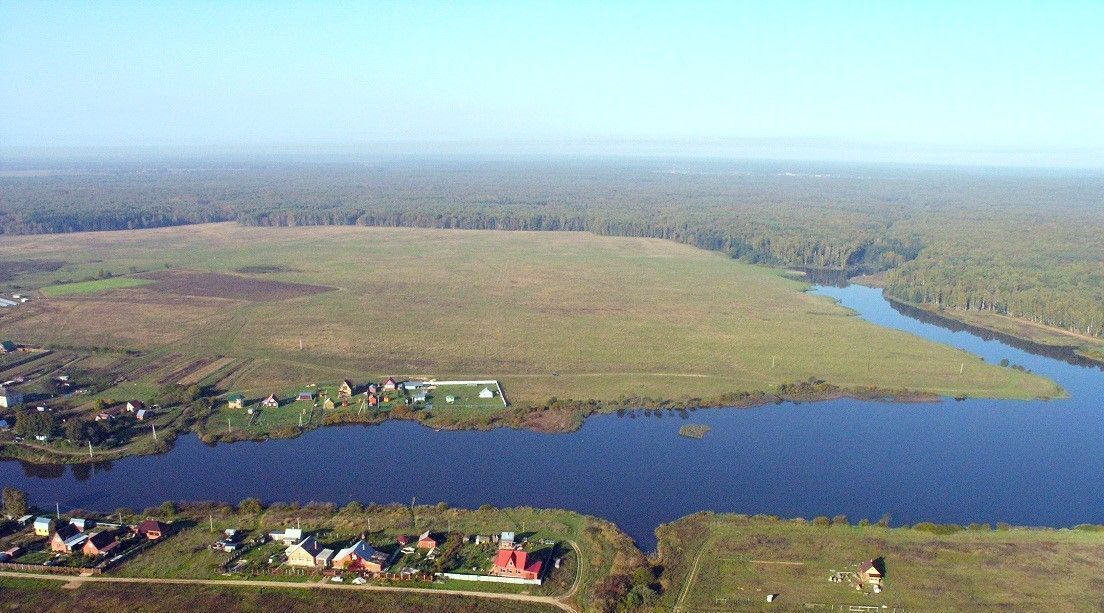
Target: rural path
pixel 71 580
pixel 691 576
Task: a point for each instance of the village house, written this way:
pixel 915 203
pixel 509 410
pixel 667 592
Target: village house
pixel 151 529
pixel 419 397
pixel 235 401
pixel 309 554
pixel 328 404
pixel 426 541
pixel 141 414
pixel 306 395
pixel 360 556
pixel 389 385
pixel 287 535
pixel 7 347
pixel 345 392
pixel 373 401
pixel 43 526
pixel 100 544
pixel 135 405
pixel 10 553
pixel 506 540
pixel 515 563
pixel 111 412
pixel 872 571
pixel 373 388
pixel 270 402
pixel 10 398
pixel 67 539
pixel 486 393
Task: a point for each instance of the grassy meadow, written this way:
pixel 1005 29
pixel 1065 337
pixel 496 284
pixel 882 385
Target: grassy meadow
pixel 566 315
pixel 731 563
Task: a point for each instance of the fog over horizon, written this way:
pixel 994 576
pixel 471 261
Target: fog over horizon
pixel 914 83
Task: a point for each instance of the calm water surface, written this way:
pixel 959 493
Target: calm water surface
pixel 1029 463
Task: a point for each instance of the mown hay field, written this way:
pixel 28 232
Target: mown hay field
pixel 567 315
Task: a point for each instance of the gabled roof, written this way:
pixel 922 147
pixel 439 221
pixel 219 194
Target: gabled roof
pixel 512 558
pixel 67 531
pixel 43 521
pixel 101 539
pixel 360 549
pixel 7 345
pixel 309 545
pixel 150 525
pixel 870 567
pixel 235 396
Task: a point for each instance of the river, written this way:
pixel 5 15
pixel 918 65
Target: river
pixel 1021 462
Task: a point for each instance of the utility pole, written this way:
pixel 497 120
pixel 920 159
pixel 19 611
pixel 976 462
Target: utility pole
pixel 211 521
pixel 772 361
pixel 89 449
pixel 228 428
pixel 300 344
pixel 154 431
pixel 57 509
pixel 961 367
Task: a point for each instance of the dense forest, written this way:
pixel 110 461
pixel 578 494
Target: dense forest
pixel 1026 244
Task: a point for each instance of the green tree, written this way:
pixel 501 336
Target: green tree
pixel 15 502
pixel 250 506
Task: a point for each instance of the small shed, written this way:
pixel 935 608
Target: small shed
pixel 328 404
pixel 270 402
pixel 450 399
pixel 141 414
pixel 235 401
pixel 306 395
pixel 389 385
pixel 43 526
pixel 486 393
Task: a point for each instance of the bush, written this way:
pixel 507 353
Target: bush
pixel 941 529
pixel 250 506
pixel 821 520
pixel 840 520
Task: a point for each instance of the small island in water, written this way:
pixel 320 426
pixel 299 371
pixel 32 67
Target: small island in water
pixel 694 430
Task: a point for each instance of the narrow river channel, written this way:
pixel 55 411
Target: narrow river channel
pixel 1026 463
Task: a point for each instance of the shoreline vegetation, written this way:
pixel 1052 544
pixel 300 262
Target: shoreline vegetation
pixel 590 564
pixel 1011 329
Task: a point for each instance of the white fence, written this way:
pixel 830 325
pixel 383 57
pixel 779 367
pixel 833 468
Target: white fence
pixel 490 579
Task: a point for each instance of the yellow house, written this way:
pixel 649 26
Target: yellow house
pixel 328 404
pixel 345 392
pixel 304 553
pixel 235 401
pixel 43 526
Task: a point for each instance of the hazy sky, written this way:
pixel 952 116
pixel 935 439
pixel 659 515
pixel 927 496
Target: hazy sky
pixel 877 79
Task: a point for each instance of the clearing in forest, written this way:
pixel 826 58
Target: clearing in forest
pixel 550 314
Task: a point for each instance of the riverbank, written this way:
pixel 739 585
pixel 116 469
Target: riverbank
pixel 559 417
pixel 1017 332
pixel 703 560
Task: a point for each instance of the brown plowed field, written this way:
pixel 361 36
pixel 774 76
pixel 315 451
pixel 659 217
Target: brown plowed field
pixel 219 285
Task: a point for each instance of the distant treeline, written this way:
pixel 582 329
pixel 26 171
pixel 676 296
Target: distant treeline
pixel 1026 245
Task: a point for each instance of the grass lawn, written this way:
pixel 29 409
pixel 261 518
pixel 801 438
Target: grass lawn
pixel 555 314
pixel 729 562
pixel 91 287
